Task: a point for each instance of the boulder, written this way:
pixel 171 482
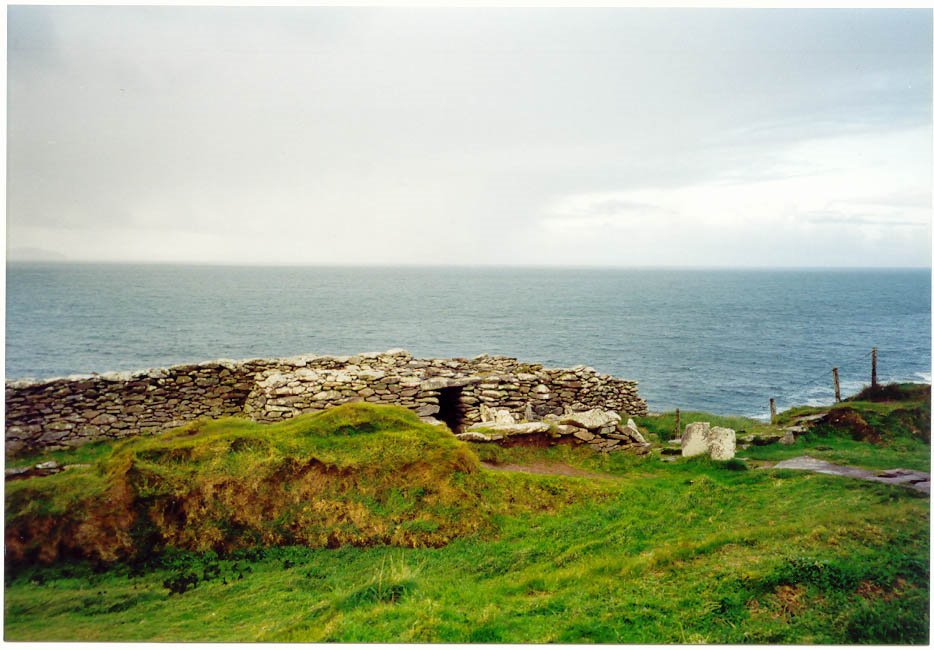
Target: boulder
pixel 584 434
pixel 787 439
pixel 592 419
pixel 722 443
pixel 700 438
pixel 694 439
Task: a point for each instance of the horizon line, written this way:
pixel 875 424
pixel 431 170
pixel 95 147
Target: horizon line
pixel 428 265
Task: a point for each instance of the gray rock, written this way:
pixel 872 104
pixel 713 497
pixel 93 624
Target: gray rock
pixel 913 479
pixel 473 436
pixel 435 383
pixel 810 419
pixel 496 416
pixel 427 409
pixel 520 429
pixel 630 430
pixel 699 438
pixel 592 419
pixel 722 443
pixel 767 439
pixel 640 449
pixel 694 439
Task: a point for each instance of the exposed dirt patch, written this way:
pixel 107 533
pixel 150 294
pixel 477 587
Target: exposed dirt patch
pixel 544 467
pixel 849 420
pixel 786 601
pixel 870 590
pixel 789 599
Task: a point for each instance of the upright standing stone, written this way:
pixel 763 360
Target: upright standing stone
pixel 722 443
pixel 694 440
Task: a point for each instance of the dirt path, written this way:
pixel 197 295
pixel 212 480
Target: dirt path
pixel 543 467
pixel 908 477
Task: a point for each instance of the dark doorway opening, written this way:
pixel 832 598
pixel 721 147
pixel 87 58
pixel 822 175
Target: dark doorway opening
pixel 451 409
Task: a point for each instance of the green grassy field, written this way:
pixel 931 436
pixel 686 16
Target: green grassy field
pixel 690 551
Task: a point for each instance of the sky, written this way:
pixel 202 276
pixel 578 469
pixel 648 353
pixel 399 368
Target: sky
pixel 470 136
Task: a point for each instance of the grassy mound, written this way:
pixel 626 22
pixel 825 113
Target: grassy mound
pixel 893 393
pixel 888 414
pixel 358 474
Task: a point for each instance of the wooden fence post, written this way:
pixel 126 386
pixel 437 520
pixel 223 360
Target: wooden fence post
pixel 772 409
pixel 836 385
pixel 874 379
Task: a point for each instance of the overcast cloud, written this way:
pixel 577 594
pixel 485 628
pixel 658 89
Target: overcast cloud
pixel 470 136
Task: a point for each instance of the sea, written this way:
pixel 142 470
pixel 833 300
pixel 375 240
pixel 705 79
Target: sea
pixel 724 341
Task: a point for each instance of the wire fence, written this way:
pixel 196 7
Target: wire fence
pixel 821 384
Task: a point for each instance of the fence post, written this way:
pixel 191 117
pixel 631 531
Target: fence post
pixel 836 385
pixel 874 379
pixel 677 423
pixel 772 409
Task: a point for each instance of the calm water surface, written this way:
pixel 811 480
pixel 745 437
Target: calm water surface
pixel 718 340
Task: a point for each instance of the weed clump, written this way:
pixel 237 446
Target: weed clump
pixel 181 582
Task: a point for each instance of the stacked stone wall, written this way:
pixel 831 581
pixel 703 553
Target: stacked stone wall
pixel 75 410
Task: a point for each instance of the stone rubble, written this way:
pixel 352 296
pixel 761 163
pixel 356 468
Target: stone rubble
pixel 596 427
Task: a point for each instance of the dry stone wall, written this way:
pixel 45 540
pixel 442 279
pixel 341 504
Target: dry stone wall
pixel 74 410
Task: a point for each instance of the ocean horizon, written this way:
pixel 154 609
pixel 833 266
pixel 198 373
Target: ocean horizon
pixel 696 338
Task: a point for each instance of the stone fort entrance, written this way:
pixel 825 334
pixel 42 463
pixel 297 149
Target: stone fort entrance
pixel 451 409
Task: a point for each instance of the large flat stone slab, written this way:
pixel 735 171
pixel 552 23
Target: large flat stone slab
pixel 910 478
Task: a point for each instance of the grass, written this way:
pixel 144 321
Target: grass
pixel 357 474
pixel 661 428
pixel 89 453
pixel 692 551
